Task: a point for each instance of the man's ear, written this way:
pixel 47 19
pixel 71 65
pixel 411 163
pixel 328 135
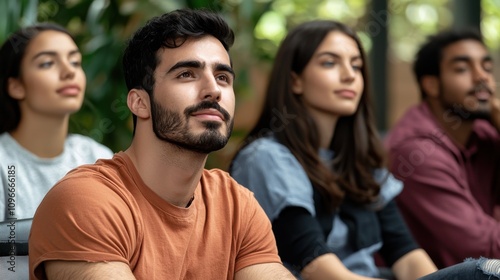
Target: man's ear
pixel 296 84
pixel 15 89
pixel 430 85
pixel 138 103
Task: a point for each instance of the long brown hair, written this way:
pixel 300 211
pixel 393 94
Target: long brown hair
pixel 357 146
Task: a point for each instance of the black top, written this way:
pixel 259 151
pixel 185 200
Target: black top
pixel 301 237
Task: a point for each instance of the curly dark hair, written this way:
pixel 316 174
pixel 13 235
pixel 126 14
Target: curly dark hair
pixel 429 56
pixel 169 30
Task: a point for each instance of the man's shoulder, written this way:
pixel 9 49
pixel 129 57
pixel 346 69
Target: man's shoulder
pixel 217 176
pixel 416 113
pixel 93 186
pixel 105 172
pixel 220 182
pixel 417 124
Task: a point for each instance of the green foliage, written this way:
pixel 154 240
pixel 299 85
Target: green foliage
pixel 101 28
pixel 490 25
pixel 14 14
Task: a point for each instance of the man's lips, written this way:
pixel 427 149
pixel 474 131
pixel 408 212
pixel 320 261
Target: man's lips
pixel 481 92
pixel 70 90
pixel 209 113
pixel 482 95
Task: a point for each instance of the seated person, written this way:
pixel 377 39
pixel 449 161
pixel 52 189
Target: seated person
pixel 446 150
pixel 315 163
pixel 153 211
pixel 41 84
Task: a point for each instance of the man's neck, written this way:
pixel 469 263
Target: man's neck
pixel 456 127
pixel 171 172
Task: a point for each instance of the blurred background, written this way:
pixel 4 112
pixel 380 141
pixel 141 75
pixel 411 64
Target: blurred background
pixel 391 31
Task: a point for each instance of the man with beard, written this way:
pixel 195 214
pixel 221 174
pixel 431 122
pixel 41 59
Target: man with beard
pixel 446 150
pixel 153 211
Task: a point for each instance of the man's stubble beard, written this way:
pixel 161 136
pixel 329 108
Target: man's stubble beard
pixel 173 128
pixel 470 111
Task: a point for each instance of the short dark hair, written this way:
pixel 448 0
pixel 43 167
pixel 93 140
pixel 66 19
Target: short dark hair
pixel 428 58
pixel 169 30
pixel 11 55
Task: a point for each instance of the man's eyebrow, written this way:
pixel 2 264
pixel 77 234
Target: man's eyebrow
pixel 466 58
pixel 225 67
pixel 186 64
pixel 198 64
pixel 53 53
pixel 487 58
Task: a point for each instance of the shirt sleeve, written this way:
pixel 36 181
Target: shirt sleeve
pixel 390 187
pixel 396 237
pixel 81 219
pixel 275 176
pixel 258 244
pixel 439 207
pixel 299 237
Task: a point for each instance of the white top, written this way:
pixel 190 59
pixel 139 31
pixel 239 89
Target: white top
pixel 25 178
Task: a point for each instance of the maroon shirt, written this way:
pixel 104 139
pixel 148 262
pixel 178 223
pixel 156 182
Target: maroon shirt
pixel 450 192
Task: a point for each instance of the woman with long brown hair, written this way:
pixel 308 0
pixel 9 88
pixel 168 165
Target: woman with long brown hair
pixel 316 164
pixel 41 84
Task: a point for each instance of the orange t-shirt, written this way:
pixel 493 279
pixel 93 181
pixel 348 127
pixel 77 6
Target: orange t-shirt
pixel 105 212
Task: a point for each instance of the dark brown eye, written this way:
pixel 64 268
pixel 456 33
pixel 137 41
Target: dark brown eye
pixel 488 66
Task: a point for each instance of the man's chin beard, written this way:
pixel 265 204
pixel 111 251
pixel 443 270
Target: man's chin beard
pixel 194 149
pixel 480 115
pixel 466 115
pixel 169 126
pixel 209 141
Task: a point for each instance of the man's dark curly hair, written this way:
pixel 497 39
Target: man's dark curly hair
pixel 169 30
pixel 429 56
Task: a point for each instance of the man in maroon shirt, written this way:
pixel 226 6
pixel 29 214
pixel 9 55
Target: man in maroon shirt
pixel 446 150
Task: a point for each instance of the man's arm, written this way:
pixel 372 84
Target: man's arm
pixel 258 256
pixel 71 270
pixel 273 271
pixel 80 221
